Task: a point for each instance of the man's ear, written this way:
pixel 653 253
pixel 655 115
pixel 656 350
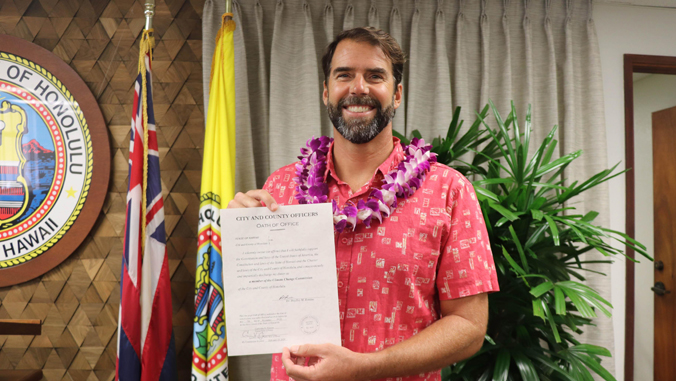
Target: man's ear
pixel 325 94
pixel 398 94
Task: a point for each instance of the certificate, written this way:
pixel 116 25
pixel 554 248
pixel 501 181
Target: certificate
pixel 279 278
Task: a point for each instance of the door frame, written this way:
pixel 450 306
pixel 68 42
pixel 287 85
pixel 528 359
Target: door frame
pixel 634 63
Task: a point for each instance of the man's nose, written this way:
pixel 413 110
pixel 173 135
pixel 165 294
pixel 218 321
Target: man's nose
pixel 359 86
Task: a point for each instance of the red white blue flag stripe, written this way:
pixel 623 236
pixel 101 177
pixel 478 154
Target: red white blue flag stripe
pixel 145 346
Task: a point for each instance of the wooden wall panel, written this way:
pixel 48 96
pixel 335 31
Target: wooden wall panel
pixel 78 301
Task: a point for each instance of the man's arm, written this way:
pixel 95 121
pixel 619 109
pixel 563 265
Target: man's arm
pixel 455 337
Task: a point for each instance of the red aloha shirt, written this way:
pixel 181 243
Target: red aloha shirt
pixel 392 275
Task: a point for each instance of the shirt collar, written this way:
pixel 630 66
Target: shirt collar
pixel 392 161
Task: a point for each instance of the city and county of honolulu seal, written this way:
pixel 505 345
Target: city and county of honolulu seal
pixel 309 324
pixel 48 167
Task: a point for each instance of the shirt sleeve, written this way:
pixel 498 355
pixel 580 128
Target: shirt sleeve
pixel 281 186
pixel 466 266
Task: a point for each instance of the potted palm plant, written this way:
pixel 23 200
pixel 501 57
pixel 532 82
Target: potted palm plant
pixel 539 244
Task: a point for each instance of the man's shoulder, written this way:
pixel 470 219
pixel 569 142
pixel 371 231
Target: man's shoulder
pixel 446 174
pixel 285 173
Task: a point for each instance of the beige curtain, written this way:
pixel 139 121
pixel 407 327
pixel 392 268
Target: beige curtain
pixel 461 53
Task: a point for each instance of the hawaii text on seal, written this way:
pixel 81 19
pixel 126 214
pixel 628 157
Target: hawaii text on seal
pixel 54 160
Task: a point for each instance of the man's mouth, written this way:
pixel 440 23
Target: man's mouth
pixel 358 109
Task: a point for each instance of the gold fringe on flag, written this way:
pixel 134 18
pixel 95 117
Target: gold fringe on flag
pixel 145 47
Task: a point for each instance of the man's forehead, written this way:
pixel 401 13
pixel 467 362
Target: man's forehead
pixel 350 53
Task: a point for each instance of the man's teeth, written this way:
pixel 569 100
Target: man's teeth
pixel 358 108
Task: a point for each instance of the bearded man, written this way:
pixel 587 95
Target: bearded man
pixel 413 288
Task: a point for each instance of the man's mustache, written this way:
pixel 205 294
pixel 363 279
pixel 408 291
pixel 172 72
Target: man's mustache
pixel 354 100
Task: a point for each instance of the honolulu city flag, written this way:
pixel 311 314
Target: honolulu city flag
pixel 210 361
pixel 145 341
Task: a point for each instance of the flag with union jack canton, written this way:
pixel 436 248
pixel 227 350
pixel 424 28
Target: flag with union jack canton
pixel 145 342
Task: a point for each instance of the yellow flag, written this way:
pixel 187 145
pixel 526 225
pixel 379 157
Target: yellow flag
pixel 210 361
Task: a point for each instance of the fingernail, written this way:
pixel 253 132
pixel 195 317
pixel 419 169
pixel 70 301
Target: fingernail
pixel 294 349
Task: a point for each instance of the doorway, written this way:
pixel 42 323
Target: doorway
pixel 650 86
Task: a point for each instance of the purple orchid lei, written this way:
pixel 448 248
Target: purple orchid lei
pixel 311 187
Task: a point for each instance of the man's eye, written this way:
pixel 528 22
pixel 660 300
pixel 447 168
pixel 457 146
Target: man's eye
pixel 376 76
pixel 341 76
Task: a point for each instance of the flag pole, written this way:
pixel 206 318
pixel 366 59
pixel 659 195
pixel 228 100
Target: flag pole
pixel 150 12
pixel 228 9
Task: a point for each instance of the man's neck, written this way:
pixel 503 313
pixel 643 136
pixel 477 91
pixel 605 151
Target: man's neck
pixel 355 164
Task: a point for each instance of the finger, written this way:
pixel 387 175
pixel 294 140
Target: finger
pixel 263 196
pixel 247 201
pixel 295 372
pixel 234 204
pixel 308 350
pixel 313 361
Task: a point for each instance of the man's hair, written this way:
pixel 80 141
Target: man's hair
pixel 375 37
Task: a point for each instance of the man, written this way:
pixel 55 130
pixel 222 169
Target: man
pixel 412 289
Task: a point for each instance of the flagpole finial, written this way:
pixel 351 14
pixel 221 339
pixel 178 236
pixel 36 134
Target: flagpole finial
pixel 149 12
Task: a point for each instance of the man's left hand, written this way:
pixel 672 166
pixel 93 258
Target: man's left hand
pixel 325 362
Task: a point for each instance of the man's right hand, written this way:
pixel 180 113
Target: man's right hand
pixel 254 199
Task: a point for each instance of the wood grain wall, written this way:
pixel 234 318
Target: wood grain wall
pixel 78 301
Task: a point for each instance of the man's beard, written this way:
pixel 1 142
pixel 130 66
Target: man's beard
pixel 360 130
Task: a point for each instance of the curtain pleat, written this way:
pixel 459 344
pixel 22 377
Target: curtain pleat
pixel 500 58
pixel 459 73
pixel 293 68
pixel 328 22
pixel 399 122
pixel 586 92
pixel 460 53
pixel 211 22
pixel 527 95
pixel 258 87
pixel 428 56
pixel 348 21
pixel 245 175
pixel 485 54
pixel 373 15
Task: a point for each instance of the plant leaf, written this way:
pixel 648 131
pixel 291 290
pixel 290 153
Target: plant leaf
pixel 525 366
pixel 504 211
pixel 541 288
pixel 511 261
pixel 553 229
pixel 517 243
pixel 501 370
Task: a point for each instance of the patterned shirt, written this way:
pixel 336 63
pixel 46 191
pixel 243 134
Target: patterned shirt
pixel 392 275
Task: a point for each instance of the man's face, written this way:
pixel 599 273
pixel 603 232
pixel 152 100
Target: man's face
pixel 360 95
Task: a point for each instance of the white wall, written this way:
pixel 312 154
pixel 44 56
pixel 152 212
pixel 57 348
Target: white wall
pixel 625 30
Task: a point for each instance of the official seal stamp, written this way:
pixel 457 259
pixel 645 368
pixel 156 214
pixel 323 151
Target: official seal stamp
pixel 309 324
pixel 51 145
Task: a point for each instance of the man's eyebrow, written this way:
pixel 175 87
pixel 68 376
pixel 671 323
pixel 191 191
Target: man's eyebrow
pixel 343 69
pixel 378 70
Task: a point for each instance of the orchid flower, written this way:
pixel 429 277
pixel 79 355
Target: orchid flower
pixel 402 182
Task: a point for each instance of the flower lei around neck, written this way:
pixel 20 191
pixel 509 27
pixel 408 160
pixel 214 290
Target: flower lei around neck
pixel 403 181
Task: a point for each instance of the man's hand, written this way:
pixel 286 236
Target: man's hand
pixel 455 337
pixel 253 199
pixel 325 362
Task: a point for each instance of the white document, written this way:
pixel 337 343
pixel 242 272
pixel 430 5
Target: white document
pixel 279 278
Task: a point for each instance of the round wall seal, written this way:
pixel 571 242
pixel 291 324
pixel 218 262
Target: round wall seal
pixel 54 160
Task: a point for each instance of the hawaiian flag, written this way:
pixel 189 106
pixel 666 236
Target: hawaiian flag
pixel 209 356
pixel 145 341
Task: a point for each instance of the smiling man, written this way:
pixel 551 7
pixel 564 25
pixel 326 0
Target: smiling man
pixel 412 253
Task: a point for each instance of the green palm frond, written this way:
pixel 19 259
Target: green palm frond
pixel 539 241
